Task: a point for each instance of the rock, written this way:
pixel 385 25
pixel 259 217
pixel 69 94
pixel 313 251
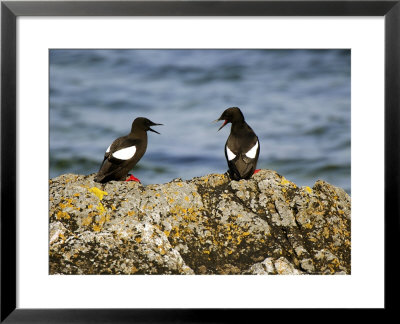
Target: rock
pixel 206 225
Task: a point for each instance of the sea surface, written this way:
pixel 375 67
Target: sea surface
pixel 296 101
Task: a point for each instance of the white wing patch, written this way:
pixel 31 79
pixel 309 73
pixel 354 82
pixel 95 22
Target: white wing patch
pixel 253 151
pixel 108 149
pixel 230 154
pixel 126 153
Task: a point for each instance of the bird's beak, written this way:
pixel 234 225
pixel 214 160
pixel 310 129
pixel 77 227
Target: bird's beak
pixel 150 129
pixel 225 122
pixel 221 118
pixel 154 124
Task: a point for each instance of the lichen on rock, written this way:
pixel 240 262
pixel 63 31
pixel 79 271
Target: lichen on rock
pixel 206 225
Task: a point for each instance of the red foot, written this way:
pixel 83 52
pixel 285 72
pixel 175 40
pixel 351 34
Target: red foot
pixel 255 171
pixel 132 178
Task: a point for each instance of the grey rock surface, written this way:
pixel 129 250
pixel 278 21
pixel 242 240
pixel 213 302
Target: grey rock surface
pixel 206 225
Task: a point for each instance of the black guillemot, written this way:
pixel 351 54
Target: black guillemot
pixel 242 147
pixel 123 154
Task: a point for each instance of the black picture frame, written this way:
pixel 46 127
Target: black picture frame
pixel 10 10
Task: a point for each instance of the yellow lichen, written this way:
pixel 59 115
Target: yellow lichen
pixel 308 225
pixel 96 228
pixel 101 209
pixel 87 221
pixel 98 193
pixel 308 189
pixel 62 215
pixel 162 250
pixel 284 181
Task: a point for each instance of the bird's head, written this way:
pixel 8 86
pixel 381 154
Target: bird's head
pixel 231 115
pixel 144 124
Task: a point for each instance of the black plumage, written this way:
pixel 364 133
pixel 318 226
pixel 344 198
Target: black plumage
pixel 242 147
pixel 123 154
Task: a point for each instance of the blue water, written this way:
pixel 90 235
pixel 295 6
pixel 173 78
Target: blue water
pixel 297 102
